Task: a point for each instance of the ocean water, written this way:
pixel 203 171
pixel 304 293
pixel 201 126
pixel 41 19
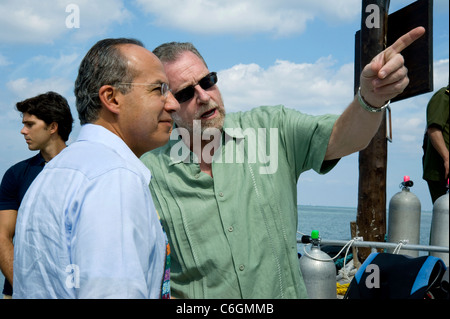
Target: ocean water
pixel 333 223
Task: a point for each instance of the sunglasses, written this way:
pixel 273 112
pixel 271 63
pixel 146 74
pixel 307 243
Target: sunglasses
pixel 188 93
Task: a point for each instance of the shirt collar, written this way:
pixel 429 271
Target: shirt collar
pixel 38 160
pixel 99 134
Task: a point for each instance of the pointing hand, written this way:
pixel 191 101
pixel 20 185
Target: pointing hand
pixel 386 76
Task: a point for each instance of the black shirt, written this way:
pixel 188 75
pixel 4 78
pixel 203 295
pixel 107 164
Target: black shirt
pixel 14 185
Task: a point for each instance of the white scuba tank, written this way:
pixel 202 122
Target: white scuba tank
pixel 404 218
pixel 439 234
pixel 319 271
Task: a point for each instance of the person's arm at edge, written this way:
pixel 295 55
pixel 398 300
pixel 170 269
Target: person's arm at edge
pixel 7 230
pixel 437 140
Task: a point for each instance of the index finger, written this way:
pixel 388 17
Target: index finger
pixel 406 40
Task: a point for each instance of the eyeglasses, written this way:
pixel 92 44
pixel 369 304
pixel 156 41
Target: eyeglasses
pixel 188 92
pixel 164 87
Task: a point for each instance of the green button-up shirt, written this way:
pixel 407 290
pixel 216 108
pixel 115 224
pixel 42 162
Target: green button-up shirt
pixel 234 235
pixel 437 116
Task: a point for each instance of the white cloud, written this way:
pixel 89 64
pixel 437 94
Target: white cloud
pixel 30 21
pixel 24 88
pixel 63 65
pixel 409 129
pixel 441 73
pixel 332 10
pixel 278 17
pixel 313 88
pixel 4 61
pixel 41 74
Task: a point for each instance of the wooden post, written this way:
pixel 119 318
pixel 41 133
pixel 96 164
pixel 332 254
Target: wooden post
pixel 369 41
pixel 371 212
pixel 356 261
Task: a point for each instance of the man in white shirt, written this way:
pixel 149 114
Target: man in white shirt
pixel 47 123
pixel 87 227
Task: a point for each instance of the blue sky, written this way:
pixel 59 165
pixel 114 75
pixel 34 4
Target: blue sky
pixel 296 53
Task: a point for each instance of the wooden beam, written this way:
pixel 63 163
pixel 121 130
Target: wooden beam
pixel 419 55
pixel 371 211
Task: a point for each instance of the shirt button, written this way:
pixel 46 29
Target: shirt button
pixel 197 176
pixel 230 229
pixel 221 194
pixel 241 267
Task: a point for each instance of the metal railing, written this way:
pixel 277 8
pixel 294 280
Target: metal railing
pixel 383 245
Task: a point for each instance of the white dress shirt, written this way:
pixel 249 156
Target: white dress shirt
pixel 87 227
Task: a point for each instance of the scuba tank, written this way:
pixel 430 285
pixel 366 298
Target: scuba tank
pixel 404 218
pixel 439 226
pixel 318 270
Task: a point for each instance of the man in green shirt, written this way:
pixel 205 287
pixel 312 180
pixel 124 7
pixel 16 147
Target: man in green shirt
pixel 435 146
pixel 225 186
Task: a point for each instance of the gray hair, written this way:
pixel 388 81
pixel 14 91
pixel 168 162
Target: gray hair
pixel 104 64
pixel 169 52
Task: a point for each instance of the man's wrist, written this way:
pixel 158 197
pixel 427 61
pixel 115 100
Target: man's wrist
pixel 366 106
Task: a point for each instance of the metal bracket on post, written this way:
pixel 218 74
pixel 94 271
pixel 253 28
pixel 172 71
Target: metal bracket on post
pixel 389 124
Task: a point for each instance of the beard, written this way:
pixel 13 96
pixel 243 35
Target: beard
pixel 206 124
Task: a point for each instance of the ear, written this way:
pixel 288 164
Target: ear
pixel 108 97
pixel 53 127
